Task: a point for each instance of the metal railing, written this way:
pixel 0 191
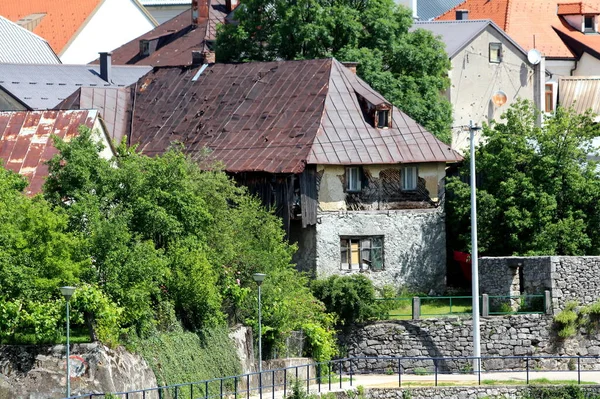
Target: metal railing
pixel 342 373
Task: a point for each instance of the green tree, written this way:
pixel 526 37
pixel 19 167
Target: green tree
pixel 537 190
pixel 409 68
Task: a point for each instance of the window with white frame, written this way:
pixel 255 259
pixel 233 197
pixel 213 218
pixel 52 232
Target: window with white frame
pixel 588 24
pixel 409 178
pixel 353 179
pixel 362 253
pixel 495 53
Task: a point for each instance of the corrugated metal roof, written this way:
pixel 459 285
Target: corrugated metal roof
pixel 274 117
pixel 346 137
pixel 25 144
pixel 19 45
pixel 457 34
pixel 44 86
pixel 113 104
pixel 178 37
pixel 149 3
pixel 429 9
pixel 581 93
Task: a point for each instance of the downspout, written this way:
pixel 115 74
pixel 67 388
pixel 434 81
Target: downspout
pixel 574 68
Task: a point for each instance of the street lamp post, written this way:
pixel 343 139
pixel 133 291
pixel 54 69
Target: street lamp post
pixel 474 263
pixel 259 278
pixel 68 292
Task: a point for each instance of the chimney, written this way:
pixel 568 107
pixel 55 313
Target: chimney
pixel 351 65
pixel 230 5
pixel 462 15
pixel 105 66
pixel 199 10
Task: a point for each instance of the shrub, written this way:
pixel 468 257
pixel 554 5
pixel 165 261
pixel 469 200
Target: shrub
pixel 566 320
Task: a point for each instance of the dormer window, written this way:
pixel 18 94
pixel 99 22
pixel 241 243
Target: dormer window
pixel 383 119
pixel 588 24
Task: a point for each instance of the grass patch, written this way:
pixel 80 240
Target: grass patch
pixel 431 307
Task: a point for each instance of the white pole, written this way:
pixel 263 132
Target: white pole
pixel 68 365
pixel 259 333
pixel 474 265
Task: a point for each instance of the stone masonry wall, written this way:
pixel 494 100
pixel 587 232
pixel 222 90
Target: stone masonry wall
pixel 518 335
pixel 414 245
pixel 566 277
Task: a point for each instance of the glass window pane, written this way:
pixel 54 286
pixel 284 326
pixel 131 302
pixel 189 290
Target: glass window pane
pixel 377 259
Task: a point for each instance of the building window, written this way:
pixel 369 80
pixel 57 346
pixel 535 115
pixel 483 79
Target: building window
pixel 549 98
pixel 362 253
pixel 383 118
pixel 496 52
pixel 588 24
pixel 353 178
pixel 409 178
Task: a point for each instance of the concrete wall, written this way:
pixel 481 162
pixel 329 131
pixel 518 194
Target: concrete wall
pixel 587 66
pixel 115 23
pixel 568 278
pixel 501 336
pixel 414 244
pixel 474 80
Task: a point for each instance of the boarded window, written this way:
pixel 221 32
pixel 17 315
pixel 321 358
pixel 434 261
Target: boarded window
pixel 361 253
pixel 353 178
pixel 409 178
pixel 495 52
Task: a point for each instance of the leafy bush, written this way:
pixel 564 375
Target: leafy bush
pixel 351 298
pixel 566 320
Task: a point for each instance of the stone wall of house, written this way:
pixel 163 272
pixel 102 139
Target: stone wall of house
pixel 448 392
pixel 501 336
pixel 566 277
pixel 414 245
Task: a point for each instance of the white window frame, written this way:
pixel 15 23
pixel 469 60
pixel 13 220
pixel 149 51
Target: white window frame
pixel 591 29
pixel 495 48
pixel 353 179
pixel 367 246
pixel 410 178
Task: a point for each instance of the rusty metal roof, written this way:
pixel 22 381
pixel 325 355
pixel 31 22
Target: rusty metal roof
pixel 580 92
pixel 274 117
pixel 25 144
pixel 113 105
pixel 176 39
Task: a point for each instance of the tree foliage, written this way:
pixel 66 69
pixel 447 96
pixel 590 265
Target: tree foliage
pixel 409 68
pixel 537 189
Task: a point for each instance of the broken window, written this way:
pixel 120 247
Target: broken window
pixel 409 178
pixel 362 253
pixel 353 178
pixel 495 53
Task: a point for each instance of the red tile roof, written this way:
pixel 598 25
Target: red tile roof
pixel 576 9
pixel 178 37
pixel 25 144
pixel 62 20
pixel 531 23
pixel 273 117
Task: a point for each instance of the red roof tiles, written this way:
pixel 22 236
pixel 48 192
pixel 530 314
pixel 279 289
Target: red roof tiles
pixel 25 144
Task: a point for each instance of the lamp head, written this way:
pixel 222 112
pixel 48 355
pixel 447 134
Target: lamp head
pixel 499 98
pixel 67 292
pixel 259 278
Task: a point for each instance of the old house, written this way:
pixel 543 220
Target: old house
pixel 77 30
pixel 172 43
pixel 18 45
pixel 486 63
pixel 26 145
pixel 358 184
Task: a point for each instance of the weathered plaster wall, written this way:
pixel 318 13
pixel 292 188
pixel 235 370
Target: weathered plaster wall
pixel 587 66
pixel 414 245
pixel 472 392
pixel 36 372
pixel 501 336
pixel 568 278
pixel 474 80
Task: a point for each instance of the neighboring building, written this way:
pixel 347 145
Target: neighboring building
pixel 485 61
pixel 426 10
pixel 358 184
pixel 566 33
pixel 189 35
pixel 164 10
pixel 33 86
pixel 18 45
pixel 77 30
pixel 26 145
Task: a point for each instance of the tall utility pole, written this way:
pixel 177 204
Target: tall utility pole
pixel 474 263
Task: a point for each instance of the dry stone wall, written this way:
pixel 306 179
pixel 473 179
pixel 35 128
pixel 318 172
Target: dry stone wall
pixel 501 337
pixel 478 392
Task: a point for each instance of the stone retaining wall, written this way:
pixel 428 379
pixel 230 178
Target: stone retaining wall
pixel 518 335
pixel 568 278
